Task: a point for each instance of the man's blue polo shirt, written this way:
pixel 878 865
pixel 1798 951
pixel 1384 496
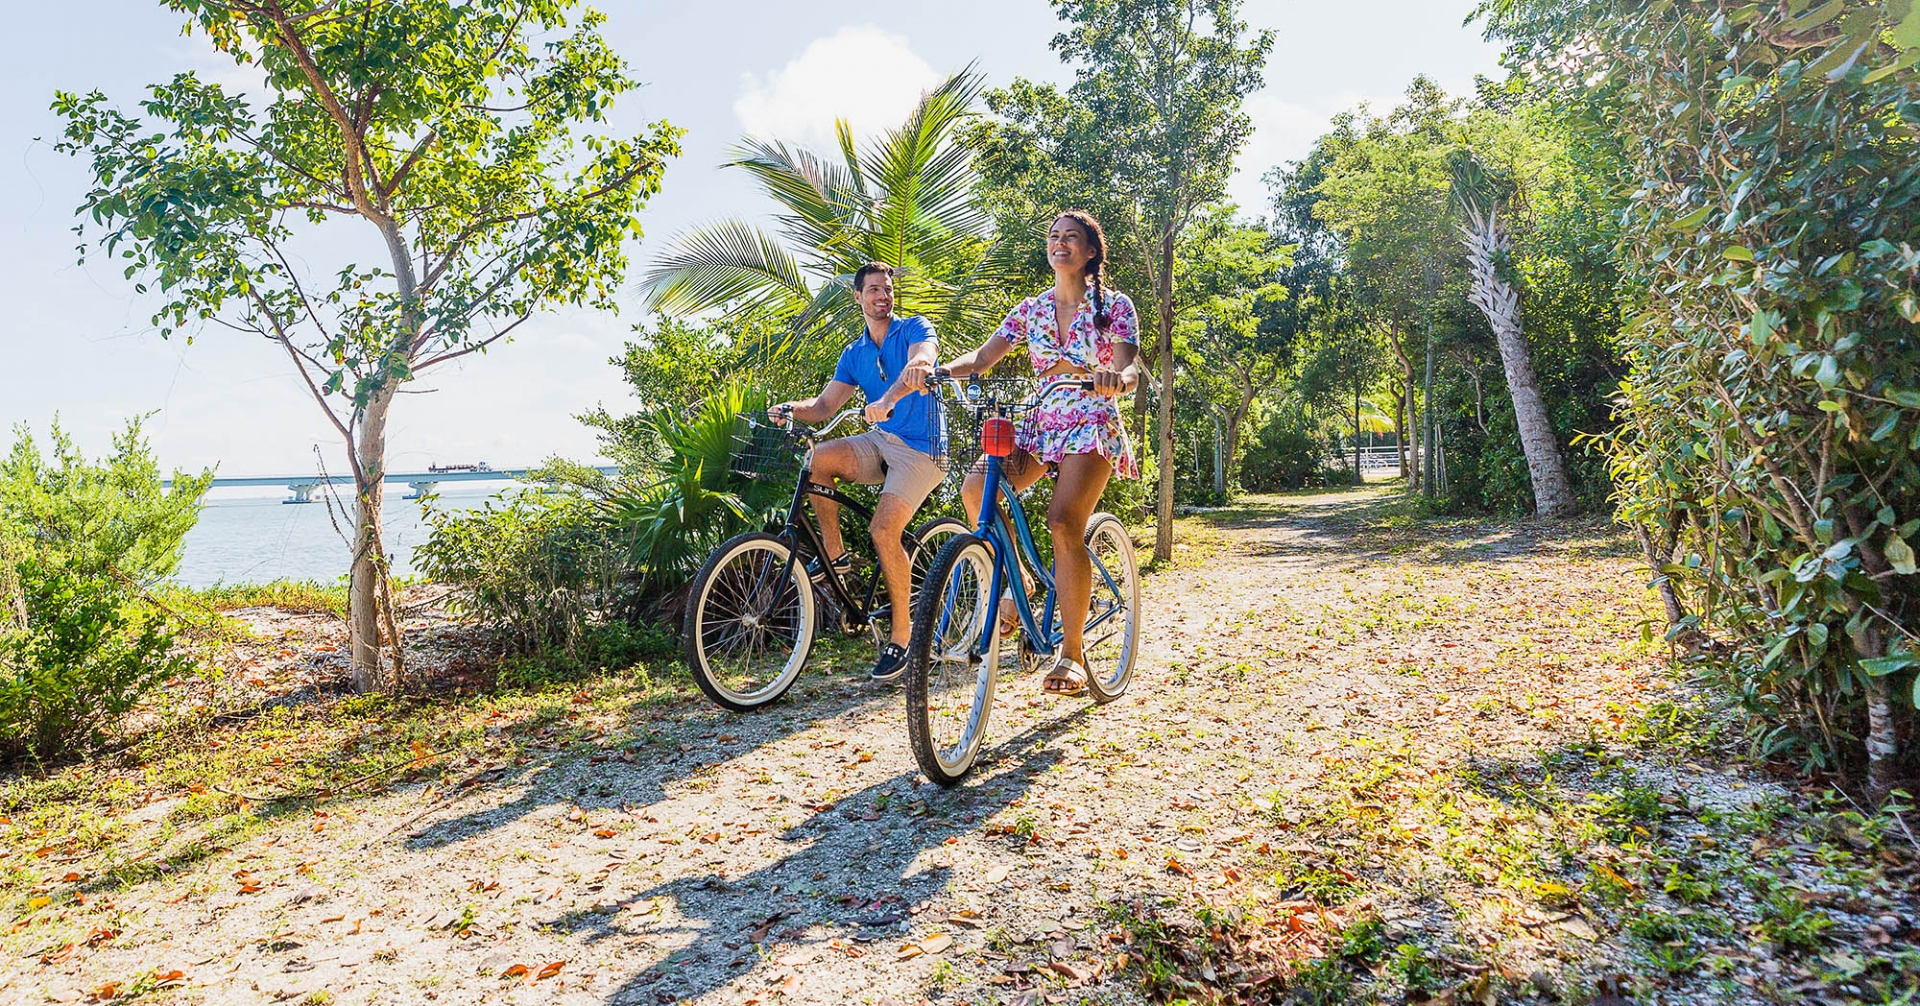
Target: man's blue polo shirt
pixel 873 369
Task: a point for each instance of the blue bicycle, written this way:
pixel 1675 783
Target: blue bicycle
pixel 953 662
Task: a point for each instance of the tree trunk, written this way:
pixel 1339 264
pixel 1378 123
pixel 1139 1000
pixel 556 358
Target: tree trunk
pixel 1429 477
pixel 1233 429
pixel 1400 429
pixel 1359 477
pixel 1219 457
pixel 1486 240
pixel 369 671
pixel 1140 411
pixel 1407 416
pixel 1163 533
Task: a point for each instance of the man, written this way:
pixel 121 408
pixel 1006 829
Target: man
pixel 896 454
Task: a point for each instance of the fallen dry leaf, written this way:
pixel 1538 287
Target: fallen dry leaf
pixel 550 970
pixel 516 971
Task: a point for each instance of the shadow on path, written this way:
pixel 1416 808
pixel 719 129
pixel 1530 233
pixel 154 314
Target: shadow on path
pixel 856 878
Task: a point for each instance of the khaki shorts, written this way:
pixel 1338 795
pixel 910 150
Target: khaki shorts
pixel 882 459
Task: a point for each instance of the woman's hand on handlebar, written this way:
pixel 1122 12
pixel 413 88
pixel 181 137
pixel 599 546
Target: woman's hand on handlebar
pixel 1110 383
pixel 877 412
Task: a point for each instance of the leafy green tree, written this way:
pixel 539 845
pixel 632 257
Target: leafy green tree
pixel 445 130
pixel 909 200
pixel 1144 137
pixel 1382 189
pixel 1229 273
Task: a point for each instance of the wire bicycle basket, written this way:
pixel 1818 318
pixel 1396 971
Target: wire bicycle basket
pixel 763 451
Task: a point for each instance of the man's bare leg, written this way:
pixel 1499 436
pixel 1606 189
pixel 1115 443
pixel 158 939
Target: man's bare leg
pixel 832 461
pixel 890 517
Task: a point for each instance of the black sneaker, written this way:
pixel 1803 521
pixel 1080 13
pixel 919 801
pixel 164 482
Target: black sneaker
pixel 841 566
pixel 892 662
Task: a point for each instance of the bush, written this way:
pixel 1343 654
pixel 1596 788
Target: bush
pixel 82 657
pixel 1286 453
pixel 540 567
pixel 1771 419
pixel 81 546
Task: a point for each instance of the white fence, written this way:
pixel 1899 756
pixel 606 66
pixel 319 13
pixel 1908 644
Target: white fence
pixel 1371 458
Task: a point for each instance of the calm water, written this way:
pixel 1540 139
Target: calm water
pixel 249 536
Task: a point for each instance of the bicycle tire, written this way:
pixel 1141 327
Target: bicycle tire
pixel 700 643
pixel 948 767
pixel 1116 583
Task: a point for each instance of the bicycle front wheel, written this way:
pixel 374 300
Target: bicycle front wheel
pixel 1113 617
pixel 750 622
pixel 949 679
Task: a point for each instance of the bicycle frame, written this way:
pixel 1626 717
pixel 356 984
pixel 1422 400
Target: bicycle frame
pixel 994 527
pixel 1002 530
pixel 804 533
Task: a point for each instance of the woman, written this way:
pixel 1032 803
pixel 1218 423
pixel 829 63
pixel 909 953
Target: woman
pixel 1076 330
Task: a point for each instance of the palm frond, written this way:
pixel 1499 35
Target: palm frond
pixel 826 202
pixel 722 262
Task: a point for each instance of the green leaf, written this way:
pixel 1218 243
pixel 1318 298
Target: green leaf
pixel 1692 221
pixel 1738 253
pixel 1906 34
pixel 1906 397
pixel 1829 373
pixel 1880 667
pixel 1900 556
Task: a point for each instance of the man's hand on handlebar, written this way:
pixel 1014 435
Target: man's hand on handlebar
pixel 1110 383
pixel 782 414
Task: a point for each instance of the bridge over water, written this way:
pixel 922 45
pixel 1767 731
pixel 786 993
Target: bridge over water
pixel 422 483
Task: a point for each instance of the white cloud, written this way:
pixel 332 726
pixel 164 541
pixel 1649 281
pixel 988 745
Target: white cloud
pixel 860 73
pixel 1283 131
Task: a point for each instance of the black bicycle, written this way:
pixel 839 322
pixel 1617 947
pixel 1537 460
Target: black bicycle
pixel 755 610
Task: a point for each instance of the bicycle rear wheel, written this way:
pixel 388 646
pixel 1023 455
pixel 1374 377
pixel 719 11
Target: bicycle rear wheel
pixel 750 622
pixel 1113 618
pixel 949 682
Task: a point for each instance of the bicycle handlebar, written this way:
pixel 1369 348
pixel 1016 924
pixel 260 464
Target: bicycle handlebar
pixel 793 425
pixel 942 374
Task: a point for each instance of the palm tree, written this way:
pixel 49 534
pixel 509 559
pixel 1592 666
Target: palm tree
pixel 1481 195
pixel 907 200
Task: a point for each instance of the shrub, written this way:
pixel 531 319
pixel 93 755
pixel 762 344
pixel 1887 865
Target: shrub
pixel 82 657
pixel 1287 453
pixel 1771 419
pixel 81 545
pixel 540 567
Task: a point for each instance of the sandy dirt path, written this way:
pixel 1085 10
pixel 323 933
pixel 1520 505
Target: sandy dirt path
pixel 1309 665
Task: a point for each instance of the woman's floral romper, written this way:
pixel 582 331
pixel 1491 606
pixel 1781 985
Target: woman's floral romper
pixel 1073 422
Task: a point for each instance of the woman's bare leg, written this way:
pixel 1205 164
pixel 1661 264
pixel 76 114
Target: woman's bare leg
pixel 1082 478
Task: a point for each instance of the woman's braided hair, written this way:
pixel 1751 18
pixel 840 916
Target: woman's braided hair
pixel 1096 266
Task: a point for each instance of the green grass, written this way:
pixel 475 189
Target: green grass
pixel 302 597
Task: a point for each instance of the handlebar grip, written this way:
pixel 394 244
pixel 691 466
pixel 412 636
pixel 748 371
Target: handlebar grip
pixel 1084 385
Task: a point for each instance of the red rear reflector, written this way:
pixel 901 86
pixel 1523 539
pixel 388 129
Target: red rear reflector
pixel 996 437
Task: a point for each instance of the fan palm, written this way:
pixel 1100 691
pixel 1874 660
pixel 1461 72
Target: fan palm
pixel 670 525
pixel 909 200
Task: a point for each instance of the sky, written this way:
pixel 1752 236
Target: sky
pixel 76 342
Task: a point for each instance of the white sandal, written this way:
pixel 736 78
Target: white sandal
pixel 1065 670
